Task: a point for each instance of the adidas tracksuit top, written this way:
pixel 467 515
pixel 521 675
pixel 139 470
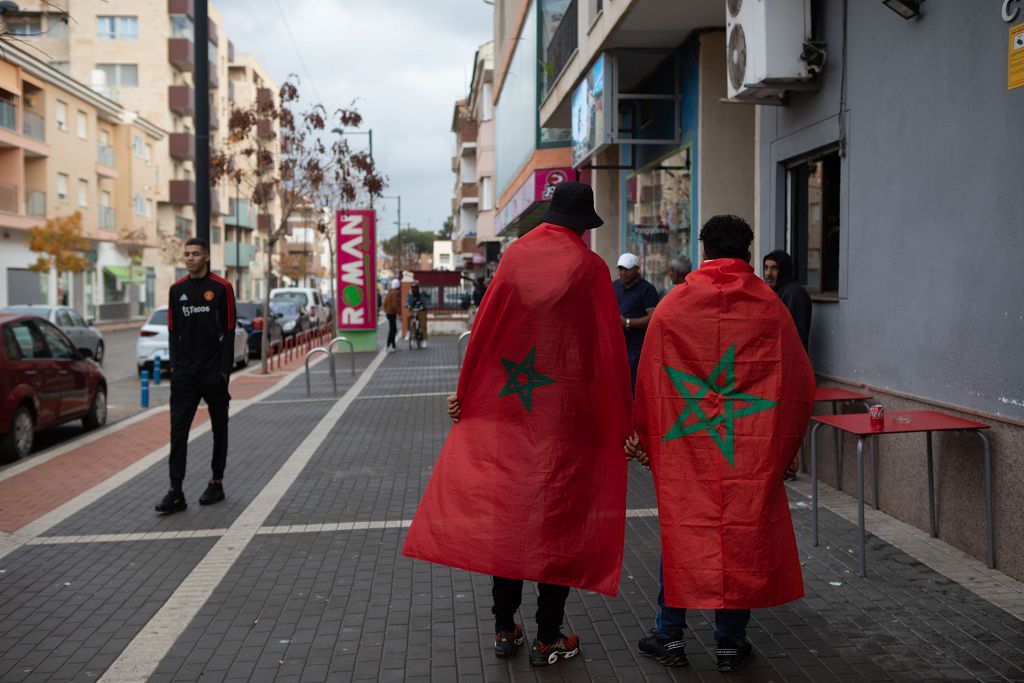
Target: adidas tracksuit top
pixel 201 326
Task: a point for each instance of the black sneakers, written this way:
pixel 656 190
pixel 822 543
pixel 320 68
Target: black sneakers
pixel 507 642
pixel 668 651
pixel 214 493
pixel 565 647
pixel 173 502
pixel 732 658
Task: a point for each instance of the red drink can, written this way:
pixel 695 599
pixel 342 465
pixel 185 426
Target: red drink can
pixel 877 414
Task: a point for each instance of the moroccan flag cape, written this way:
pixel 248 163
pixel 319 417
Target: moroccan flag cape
pixel 724 393
pixel 531 482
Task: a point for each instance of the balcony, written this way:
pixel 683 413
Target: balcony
pixel 105 155
pixel 183 192
pixel 183 146
pixel 214 74
pixel 231 90
pixel 107 220
pixel 182 99
pixel 238 255
pixel 265 222
pixel 211 30
pixel 180 53
pixel 8 115
pixel 239 214
pixel 180 7
pixel 8 198
pixel 214 202
pixel 214 118
pixel 35 203
pixel 33 125
pixel 265 129
pixel 264 96
pixel 231 52
pixel 563 45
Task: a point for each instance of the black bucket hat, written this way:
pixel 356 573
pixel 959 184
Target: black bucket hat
pixel 572 206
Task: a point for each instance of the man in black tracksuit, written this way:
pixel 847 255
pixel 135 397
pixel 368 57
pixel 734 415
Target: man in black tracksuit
pixel 201 328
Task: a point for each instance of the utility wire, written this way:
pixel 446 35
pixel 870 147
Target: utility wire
pixel 298 54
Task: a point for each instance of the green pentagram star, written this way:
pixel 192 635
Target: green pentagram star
pixel 724 370
pixel 533 379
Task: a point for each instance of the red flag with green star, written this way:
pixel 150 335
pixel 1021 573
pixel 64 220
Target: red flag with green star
pixel 531 483
pixel 724 393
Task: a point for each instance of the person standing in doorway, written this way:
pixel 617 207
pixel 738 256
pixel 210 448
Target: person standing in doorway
pixel 201 332
pixel 392 307
pixel 637 300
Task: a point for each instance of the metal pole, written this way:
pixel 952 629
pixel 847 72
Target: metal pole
pixel 814 482
pixel 860 506
pixel 201 80
pixel 238 239
pixel 931 489
pixel 401 252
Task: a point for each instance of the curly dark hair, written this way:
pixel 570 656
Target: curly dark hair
pixel 726 236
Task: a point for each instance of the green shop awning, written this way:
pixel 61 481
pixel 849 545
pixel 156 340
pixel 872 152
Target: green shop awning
pixel 127 276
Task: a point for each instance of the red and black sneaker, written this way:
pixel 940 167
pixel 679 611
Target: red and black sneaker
pixel 507 642
pixel 565 647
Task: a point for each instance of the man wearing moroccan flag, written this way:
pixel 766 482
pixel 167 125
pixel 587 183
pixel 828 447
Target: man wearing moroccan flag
pixel 531 483
pixel 723 397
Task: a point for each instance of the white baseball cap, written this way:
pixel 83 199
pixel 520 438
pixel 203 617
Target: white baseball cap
pixel 628 260
pixel 396 284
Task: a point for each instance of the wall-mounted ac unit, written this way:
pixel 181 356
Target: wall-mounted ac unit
pixel 766 42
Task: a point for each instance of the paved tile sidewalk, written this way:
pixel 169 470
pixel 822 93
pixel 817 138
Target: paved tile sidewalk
pixel 321 592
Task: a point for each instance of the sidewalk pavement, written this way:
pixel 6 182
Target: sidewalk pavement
pixel 298 575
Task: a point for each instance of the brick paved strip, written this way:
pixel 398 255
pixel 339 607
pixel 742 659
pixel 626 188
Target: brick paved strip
pixel 140 658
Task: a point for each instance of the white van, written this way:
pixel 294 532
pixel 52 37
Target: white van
pixel 308 299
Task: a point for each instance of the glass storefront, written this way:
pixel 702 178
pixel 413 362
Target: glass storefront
pixel 659 215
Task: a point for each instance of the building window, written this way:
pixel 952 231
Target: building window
pixel 182 227
pixel 812 222
pixel 62 116
pixel 63 67
pixel 137 148
pixel 117 28
pixel 486 193
pixel 148 153
pixel 120 75
pixel 25 25
pixel 140 205
pixel 149 208
pixel 57 26
pixel 182 27
pixel 62 187
pixel 214 234
pixel 83 192
pixel 83 125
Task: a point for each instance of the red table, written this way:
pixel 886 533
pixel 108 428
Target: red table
pixel 835 397
pixel 927 421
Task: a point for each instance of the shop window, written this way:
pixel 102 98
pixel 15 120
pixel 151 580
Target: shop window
pixel 812 222
pixel 658 216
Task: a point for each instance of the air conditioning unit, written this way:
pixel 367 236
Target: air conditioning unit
pixel 767 43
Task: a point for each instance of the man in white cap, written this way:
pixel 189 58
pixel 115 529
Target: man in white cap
pixel 392 307
pixel 637 299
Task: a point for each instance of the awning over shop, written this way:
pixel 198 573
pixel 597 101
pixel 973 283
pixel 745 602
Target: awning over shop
pixel 127 275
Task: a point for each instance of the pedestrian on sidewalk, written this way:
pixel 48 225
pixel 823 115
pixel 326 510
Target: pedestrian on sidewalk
pixel 201 332
pixel 531 483
pixel 723 397
pixel 392 307
pixel 637 299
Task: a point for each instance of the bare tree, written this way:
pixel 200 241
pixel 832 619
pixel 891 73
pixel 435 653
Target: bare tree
pixel 307 162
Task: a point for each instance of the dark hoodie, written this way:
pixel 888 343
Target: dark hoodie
pixel 793 295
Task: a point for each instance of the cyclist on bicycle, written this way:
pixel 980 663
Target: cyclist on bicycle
pixel 417 305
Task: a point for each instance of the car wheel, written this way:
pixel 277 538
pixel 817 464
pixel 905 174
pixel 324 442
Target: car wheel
pixel 17 443
pixel 98 356
pixel 97 415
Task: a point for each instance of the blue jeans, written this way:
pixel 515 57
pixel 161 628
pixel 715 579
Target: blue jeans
pixel 670 622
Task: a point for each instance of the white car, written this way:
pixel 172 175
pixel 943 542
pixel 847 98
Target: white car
pixel 153 341
pixel 308 299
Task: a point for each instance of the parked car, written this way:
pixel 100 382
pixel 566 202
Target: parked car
pixel 308 299
pixel 80 330
pixel 153 341
pixel 250 317
pixel 44 381
pixel 290 316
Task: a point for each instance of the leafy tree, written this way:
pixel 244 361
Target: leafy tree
pixel 294 266
pixel 445 232
pixel 60 245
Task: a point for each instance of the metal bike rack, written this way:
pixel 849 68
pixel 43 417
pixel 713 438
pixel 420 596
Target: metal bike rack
pixel 330 361
pixel 351 351
pixel 462 352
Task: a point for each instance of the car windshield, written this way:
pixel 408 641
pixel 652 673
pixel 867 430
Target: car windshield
pixel 284 307
pixel 247 310
pixel 28 310
pixel 159 317
pixel 297 297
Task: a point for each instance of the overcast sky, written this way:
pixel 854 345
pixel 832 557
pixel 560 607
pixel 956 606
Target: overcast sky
pixel 405 61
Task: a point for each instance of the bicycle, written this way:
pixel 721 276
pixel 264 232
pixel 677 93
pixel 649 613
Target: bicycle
pixel 415 332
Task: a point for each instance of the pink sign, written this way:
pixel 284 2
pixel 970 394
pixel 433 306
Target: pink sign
pixel 357 270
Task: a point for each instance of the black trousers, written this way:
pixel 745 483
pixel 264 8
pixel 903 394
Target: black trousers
pixel 508 595
pixel 392 329
pixel 186 391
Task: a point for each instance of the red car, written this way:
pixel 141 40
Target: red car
pixel 44 381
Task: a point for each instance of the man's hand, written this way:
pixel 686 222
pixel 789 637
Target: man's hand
pixel 622 320
pixel 635 452
pixel 454 407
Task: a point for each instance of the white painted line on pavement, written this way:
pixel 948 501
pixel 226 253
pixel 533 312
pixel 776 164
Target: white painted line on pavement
pixel 420 367
pixel 339 526
pixel 120 538
pixel 431 393
pixel 642 512
pixel 139 659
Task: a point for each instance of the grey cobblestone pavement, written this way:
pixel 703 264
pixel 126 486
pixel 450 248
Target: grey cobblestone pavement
pixel 308 603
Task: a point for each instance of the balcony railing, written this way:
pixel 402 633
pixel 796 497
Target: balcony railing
pixel 238 255
pixel 180 54
pixel 35 203
pixel 107 221
pixel 182 145
pixel 239 214
pixel 33 125
pixel 562 45
pixel 182 99
pixel 8 116
pixel 8 198
pixel 105 155
pixel 182 192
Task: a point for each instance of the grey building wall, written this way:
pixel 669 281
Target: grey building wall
pixel 932 289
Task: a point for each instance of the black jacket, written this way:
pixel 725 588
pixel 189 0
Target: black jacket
pixel 793 295
pixel 201 325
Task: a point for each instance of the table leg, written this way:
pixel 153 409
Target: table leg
pixel 837 435
pixel 874 470
pixel 860 505
pixel 931 489
pixel 814 483
pixel 988 500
